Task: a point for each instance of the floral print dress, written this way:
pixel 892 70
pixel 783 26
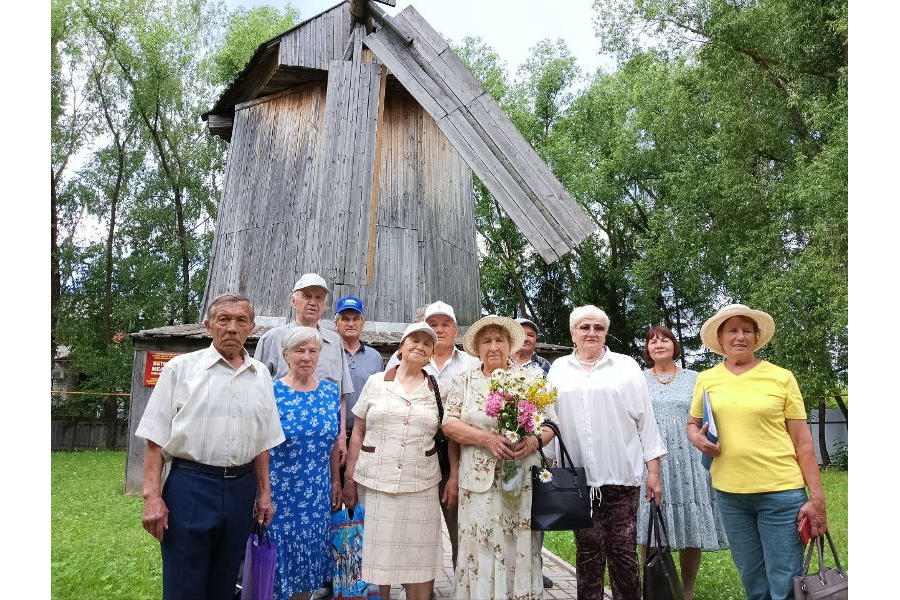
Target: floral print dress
pixel 301 486
pixel 499 555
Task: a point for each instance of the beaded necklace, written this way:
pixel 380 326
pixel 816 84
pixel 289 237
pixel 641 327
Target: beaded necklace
pixel 662 381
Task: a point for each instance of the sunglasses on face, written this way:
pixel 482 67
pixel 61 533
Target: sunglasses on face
pixel 587 327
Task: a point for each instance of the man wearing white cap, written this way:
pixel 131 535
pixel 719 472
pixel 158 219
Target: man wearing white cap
pixel 308 301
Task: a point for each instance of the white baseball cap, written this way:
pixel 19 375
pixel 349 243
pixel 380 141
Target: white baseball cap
pixel 439 308
pixel 419 326
pixel 310 280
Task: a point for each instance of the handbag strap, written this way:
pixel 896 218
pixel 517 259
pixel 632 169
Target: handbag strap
pixel 658 525
pixel 819 544
pixel 433 384
pixel 565 453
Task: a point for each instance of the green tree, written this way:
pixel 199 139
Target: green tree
pixel 245 31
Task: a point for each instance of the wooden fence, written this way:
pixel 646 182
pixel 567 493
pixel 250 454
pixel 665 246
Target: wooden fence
pixel 85 433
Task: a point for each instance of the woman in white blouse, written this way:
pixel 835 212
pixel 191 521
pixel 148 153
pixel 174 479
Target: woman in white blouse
pixel 393 458
pixel 607 422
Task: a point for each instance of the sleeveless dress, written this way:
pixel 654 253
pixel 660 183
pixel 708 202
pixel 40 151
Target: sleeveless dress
pixel 689 504
pixel 301 486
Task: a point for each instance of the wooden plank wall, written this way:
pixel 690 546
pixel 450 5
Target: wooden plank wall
pixel 345 191
pixel 319 41
pixel 267 217
pixel 522 183
pixel 296 199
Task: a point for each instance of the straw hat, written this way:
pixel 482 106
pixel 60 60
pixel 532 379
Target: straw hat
pixel 762 319
pixel 515 331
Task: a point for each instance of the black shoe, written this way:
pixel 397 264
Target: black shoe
pixel 548 583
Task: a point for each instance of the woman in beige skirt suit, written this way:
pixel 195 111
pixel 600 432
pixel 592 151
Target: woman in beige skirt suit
pixel 393 460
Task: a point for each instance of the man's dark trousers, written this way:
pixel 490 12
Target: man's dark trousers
pixel 210 518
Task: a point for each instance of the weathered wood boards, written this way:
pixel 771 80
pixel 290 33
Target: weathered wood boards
pixel 351 112
pixel 522 183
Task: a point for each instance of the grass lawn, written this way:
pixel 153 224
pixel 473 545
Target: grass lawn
pixel 718 578
pixel 100 550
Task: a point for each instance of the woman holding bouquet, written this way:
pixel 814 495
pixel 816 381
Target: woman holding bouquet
pixel 499 554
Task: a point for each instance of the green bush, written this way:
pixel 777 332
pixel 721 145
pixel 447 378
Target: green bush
pixel 839 458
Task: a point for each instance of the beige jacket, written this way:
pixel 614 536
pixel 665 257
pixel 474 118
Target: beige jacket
pixel 397 453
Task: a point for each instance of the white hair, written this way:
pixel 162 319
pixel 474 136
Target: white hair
pixel 299 336
pixel 588 311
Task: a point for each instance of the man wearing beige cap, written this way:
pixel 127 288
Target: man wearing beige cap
pixel 308 301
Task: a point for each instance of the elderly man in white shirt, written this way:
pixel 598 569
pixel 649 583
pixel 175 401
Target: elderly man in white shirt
pixel 607 423
pixel 213 415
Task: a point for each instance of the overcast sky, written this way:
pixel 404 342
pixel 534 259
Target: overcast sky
pixel 511 27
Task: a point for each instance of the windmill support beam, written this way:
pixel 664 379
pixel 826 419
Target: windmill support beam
pixel 526 188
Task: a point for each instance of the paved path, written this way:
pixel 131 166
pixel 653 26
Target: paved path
pixel 562 574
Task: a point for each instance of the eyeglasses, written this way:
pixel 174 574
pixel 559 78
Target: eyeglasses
pixel 587 327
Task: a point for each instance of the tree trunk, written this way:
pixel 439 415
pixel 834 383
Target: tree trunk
pixel 823 442
pixel 111 417
pixel 54 268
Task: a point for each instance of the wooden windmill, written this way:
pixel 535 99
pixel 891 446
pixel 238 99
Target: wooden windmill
pixel 353 139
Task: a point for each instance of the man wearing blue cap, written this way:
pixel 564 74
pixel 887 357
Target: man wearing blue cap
pixel 362 360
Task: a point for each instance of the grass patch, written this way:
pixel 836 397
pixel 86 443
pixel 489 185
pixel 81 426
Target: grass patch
pixel 99 549
pixel 718 577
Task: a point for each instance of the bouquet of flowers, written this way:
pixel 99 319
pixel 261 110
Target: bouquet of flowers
pixel 518 399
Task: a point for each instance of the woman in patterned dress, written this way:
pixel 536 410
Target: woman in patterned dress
pixel 304 468
pixel 499 555
pixel 688 506
pixel 392 464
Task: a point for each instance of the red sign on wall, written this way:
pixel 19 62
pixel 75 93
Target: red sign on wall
pixel 154 365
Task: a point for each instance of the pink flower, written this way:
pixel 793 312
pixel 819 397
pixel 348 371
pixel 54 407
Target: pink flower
pixel 526 415
pixel 494 404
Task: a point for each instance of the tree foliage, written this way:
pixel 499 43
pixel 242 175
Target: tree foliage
pixel 244 32
pixel 714 164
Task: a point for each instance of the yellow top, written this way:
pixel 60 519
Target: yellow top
pixel 757 454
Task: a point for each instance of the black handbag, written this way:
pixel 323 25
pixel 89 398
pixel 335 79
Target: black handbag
pixel 564 502
pixel 441 443
pixel 661 580
pixel 826 584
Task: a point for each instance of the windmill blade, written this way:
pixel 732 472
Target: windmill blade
pixel 545 212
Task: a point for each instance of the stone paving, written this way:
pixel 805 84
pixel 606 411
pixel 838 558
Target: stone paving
pixel 558 570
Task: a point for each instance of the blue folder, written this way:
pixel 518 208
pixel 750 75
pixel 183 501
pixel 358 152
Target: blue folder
pixel 712 434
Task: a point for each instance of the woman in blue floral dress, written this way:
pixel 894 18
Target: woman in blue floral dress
pixel 688 505
pixel 304 468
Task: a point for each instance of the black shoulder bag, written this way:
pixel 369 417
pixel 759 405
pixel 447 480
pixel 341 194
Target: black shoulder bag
pixel 661 580
pixel 563 502
pixel 441 443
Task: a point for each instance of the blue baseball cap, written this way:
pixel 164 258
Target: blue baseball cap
pixel 349 303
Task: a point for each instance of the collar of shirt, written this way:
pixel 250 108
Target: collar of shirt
pixel 213 356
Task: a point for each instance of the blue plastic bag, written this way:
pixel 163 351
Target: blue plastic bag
pixel 346 552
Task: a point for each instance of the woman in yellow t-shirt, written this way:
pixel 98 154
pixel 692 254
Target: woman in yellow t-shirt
pixel 764 462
